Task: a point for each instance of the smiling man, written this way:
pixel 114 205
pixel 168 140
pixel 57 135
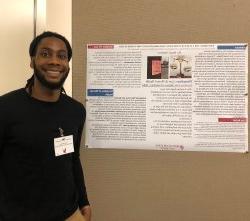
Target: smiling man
pixel 41 176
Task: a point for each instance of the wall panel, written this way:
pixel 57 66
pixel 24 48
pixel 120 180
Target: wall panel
pixel 136 185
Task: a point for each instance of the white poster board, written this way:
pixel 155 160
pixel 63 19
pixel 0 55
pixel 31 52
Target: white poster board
pixel 187 97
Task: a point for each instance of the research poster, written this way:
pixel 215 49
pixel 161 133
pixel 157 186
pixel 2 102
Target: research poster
pixel 181 97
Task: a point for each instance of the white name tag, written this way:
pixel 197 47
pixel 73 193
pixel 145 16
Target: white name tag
pixel 63 145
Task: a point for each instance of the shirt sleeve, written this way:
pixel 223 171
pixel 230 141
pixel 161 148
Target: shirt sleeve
pixel 77 169
pixel 1 126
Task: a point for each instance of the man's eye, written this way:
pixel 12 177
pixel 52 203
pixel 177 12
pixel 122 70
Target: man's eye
pixel 62 56
pixel 44 54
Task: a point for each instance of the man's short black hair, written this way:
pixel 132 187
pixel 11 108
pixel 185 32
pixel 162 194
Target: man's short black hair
pixel 46 34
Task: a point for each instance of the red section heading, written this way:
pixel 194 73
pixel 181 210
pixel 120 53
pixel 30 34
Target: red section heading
pixel 232 119
pixel 100 46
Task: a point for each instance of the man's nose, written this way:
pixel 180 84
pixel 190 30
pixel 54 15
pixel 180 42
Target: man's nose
pixel 54 60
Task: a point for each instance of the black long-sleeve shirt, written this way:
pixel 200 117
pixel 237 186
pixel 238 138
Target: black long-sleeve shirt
pixel 34 183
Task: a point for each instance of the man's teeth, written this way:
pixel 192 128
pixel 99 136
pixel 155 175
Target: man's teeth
pixel 53 72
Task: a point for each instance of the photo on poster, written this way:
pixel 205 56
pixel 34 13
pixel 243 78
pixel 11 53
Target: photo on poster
pixel 157 67
pixel 180 66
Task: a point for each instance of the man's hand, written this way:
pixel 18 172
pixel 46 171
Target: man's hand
pixel 86 212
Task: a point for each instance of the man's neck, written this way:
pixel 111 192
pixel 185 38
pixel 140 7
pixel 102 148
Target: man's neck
pixel 45 94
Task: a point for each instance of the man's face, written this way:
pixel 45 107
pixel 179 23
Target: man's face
pixel 50 64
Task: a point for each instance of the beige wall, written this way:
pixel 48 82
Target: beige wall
pixel 16 19
pixel 17 32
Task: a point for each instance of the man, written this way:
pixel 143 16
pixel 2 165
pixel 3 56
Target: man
pixel 41 176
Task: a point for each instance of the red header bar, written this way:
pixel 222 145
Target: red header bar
pixel 100 46
pixel 233 119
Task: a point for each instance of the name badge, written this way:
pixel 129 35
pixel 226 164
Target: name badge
pixel 63 145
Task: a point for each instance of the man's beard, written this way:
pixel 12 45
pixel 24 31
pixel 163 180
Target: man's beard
pixel 50 85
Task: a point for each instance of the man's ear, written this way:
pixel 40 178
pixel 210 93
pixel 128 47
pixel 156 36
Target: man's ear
pixel 32 62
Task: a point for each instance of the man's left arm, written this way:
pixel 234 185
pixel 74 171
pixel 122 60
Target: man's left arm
pixel 83 202
pixel 2 117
